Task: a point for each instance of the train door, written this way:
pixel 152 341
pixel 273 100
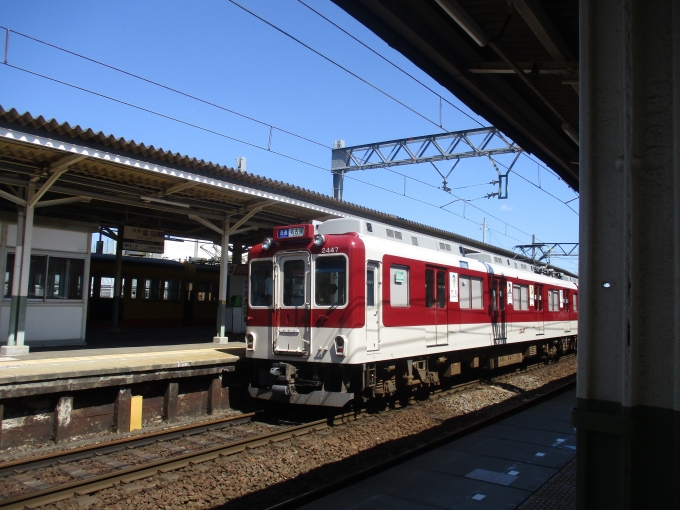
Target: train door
pixel 540 311
pixel 498 318
pixel 373 303
pixel 436 331
pixel 292 331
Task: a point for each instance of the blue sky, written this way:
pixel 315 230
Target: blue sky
pixel 216 51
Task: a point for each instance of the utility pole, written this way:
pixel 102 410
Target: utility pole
pixel 484 227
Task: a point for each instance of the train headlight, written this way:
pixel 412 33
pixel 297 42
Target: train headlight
pixel 267 243
pixel 319 240
pixel 250 341
pixel 341 345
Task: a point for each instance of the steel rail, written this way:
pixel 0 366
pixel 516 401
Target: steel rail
pixel 145 470
pixel 362 474
pixel 39 461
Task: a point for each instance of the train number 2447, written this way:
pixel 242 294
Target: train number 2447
pixel 330 250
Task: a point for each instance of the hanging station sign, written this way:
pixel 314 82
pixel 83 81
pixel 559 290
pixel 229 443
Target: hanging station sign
pixel 143 239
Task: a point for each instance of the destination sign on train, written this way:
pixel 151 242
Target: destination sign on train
pixel 285 233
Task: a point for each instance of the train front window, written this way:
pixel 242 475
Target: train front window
pixel 261 283
pixel 331 281
pixel 294 283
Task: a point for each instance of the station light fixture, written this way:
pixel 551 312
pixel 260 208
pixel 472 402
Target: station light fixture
pixel 319 240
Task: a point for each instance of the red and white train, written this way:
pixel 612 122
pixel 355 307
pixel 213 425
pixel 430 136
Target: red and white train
pixel 349 308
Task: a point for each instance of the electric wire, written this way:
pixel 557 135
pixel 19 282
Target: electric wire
pixel 363 80
pixel 256 120
pixel 166 87
pixel 189 124
pixel 391 63
pixel 168 117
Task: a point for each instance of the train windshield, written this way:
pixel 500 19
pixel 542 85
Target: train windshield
pixel 331 281
pixel 261 283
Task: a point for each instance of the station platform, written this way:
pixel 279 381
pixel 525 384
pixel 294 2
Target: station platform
pixel 57 395
pixel 525 461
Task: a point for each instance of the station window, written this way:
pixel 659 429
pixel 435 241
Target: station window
pixel 261 283
pixel 331 281
pixel 399 286
pixel 152 289
pixel 471 292
pixel 50 277
pixel 520 297
pixel 171 290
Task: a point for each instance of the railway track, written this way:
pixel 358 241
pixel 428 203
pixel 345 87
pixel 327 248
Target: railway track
pixel 87 483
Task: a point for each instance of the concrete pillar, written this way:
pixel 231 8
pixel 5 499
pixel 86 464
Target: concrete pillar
pixel 224 274
pixel 628 398
pixel 121 410
pixel 22 268
pixel 170 402
pixel 118 279
pixel 215 394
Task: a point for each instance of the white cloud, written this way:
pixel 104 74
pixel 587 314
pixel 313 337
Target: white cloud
pixel 506 208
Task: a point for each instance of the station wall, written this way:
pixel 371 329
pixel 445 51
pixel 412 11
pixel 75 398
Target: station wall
pixel 57 306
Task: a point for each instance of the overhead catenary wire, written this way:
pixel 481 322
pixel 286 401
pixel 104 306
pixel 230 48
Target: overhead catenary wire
pixel 379 55
pixel 352 73
pixel 217 133
pixel 166 87
pixel 250 118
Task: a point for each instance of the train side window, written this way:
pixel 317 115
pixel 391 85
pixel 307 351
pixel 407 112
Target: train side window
pixel 370 287
pixel 399 286
pixel 553 301
pixel 331 281
pixel 441 289
pixel 464 291
pixel 106 287
pixel 152 289
pixel 133 289
pixel 471 292
pixel 429 288
pixel 476 293
pixel 520 297
pixel 204 292
pixel 574 301
pixel 171 290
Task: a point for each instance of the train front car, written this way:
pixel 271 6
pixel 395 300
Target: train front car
pixel 305 318
pixel 349 309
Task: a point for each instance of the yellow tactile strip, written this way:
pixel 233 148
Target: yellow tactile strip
pixel 79 366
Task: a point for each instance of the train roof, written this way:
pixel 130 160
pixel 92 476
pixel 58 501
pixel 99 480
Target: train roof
pixel 499 261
